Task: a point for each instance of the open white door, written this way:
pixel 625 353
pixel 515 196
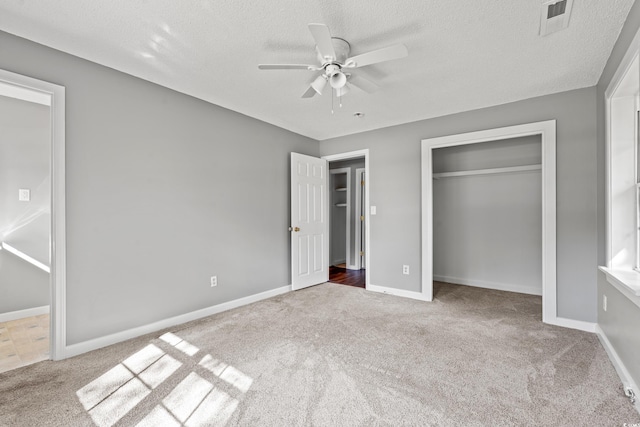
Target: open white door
pixel 309 221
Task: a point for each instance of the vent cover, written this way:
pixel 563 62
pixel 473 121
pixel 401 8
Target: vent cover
pixel 554 10
pixel 554 16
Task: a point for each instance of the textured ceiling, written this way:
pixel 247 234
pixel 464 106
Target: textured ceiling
pixel 463 54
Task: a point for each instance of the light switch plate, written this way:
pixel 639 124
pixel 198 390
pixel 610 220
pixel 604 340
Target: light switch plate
pixel 373 210
pixel 24 195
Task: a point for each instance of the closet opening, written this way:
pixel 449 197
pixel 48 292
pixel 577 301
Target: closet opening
pixel 546 131
pixel 347 183
pixel 487 214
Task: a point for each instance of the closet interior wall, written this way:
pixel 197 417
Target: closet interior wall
pixel 487 213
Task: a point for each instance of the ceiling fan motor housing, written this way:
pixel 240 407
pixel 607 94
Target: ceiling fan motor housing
pixel 333 69
pixel 342 49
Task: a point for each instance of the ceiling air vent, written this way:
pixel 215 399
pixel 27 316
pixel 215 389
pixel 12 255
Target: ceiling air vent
pixel 554 16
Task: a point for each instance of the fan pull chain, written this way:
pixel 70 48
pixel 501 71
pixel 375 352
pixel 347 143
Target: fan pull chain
pixel 331 101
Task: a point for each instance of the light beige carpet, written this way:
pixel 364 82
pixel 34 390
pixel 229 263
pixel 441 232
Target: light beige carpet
pixel 335 355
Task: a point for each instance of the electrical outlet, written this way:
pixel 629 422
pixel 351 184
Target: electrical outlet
pixel 214 281
pixel 604 302
pixel 24 195
pixel 405 269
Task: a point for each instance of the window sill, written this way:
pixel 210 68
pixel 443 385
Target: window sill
pixel 626 281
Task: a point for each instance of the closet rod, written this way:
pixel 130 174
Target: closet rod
pixel 488 171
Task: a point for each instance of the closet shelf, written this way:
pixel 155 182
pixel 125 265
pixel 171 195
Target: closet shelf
pixel 341 205
pixel 510 169
pixel 341 189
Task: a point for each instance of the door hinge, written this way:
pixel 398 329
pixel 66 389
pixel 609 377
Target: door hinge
pixel 361 217
pixel 362 183
pixel 361 253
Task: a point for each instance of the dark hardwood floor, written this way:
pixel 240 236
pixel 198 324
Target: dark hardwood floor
pixel 343 276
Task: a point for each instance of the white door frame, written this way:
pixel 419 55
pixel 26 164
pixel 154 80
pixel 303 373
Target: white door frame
pixel 57 298
pixel 547 132
pixel 347 254
pixel 354 155
pixel 357 224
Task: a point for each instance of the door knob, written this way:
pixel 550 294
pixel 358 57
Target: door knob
pixel 296 229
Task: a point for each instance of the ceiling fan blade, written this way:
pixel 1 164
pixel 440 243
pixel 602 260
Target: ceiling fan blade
pixel 375 56
pixel 321 35
pixel 287 67
pixel 309 93
pixel 363 84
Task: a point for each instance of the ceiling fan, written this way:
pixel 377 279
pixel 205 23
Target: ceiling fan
pixel 333 56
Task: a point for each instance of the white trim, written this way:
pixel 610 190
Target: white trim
pixel 357 225
pixel 58 216
pixel 510 287
pixel 96 343
pixel 621 369
pixel 346 171
pixel 625 64
pixel 426 171
pixel 354 155
pixel 574 324
pixel 621 280
pixel 547 132
pixel 25 257
pixel 21 314
pixel 420 296
pixel 24 94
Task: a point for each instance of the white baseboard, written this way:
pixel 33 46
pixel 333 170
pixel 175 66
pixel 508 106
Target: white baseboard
pixel 96 343
pixel 573 324
pixel 398 292
pixel 20 314
pixel 623 373
pixel 530 290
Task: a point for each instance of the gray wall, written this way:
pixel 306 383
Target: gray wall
pixel 24 163
pixel 395 190
pixel 163 191
pixel 620 322
pixel 487 229
pixel 491 154
pixel 22 285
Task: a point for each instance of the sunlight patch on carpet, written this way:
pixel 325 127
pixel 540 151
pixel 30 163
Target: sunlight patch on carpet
pixel 194 401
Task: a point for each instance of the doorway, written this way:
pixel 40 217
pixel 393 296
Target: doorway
pixel 32 232
pixel 25 222
pixel 348 219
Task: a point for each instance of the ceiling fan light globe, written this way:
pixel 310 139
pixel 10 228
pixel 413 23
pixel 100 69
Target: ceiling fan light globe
pixel 338 80
pixel 318 84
